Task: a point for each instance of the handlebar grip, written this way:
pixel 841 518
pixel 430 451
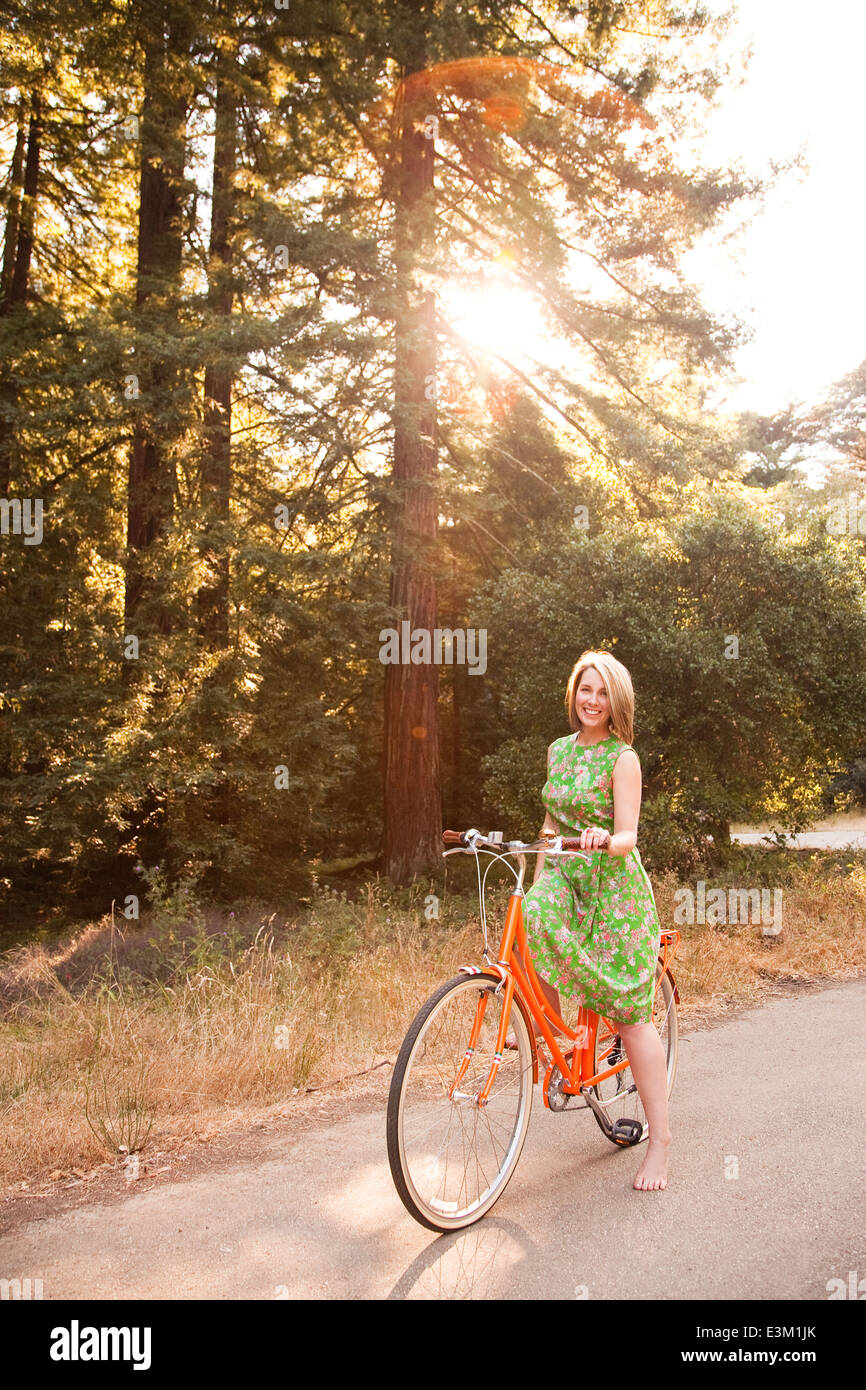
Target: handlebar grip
pixel 453 837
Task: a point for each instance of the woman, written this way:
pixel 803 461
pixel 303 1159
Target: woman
pixel 593 929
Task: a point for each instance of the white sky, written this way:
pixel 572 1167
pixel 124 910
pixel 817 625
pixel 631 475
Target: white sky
pixel 799 278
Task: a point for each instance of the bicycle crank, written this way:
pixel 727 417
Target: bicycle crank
pixel 623 1132
pixel 557 1099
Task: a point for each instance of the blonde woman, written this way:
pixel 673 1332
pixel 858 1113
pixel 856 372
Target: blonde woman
pixel 593 928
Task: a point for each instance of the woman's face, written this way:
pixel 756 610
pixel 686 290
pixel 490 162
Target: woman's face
pixel 593 705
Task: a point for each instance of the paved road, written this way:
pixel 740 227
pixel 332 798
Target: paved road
pixel 777 1094
pixel 807 839
pixel 845 830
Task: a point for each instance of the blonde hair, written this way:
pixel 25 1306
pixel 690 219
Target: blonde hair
pixel 620 692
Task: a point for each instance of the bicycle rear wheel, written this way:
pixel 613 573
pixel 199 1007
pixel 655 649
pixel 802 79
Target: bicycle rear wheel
pixel 451 1159
pixel 619 1094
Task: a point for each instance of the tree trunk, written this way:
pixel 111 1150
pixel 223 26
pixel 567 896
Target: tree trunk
pixel 213 597
pixel 27 216
pixel 18 242
pixel 13 207
pixel 459 728
pixel 151 469
pixel 152 481
pixel 413 813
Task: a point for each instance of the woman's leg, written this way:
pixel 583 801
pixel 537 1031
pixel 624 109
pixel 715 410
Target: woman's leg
pixel 646 1057
pixel 550 992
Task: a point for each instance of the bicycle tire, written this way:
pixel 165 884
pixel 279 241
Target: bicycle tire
pixel 451 1159
pixel 619 1094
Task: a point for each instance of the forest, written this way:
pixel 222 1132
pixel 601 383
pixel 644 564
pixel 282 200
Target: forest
pixel 326 323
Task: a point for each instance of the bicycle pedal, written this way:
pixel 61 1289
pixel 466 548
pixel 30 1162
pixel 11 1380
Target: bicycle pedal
pixel 626 1132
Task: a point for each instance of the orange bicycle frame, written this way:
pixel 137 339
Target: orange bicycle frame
pixel 577 1073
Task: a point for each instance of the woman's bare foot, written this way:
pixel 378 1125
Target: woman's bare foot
pixel 652 1175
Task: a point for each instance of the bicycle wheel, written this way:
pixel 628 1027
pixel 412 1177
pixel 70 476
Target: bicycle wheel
pixel 451 1159
pixel 619 1094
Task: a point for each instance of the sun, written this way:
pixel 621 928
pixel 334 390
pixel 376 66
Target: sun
pixel 500 320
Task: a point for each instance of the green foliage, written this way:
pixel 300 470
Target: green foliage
pixel 170 757
pixel 172 905
pixel 847 787
pixel 721 737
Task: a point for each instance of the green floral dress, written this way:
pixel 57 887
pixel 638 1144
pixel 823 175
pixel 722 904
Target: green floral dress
pixel 593 928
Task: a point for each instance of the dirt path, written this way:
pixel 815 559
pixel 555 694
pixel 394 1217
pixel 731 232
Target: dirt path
pixel 776 1095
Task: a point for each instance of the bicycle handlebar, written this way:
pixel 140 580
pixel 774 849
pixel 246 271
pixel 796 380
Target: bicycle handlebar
pixel 470 839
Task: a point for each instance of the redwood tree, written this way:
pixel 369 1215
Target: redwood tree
pixel 152 484
pixel 413 814
pixel 213 596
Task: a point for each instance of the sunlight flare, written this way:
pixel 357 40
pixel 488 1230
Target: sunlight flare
pixel 499 318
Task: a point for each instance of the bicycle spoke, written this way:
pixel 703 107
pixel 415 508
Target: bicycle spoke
pixel 454 1155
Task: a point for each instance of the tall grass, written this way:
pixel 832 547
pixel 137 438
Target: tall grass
pixel 119 1038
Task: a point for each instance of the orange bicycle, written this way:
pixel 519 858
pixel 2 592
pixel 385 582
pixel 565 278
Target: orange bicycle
pixel 461 1093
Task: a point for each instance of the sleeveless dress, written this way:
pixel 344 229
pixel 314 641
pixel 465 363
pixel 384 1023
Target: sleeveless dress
pixel 592 928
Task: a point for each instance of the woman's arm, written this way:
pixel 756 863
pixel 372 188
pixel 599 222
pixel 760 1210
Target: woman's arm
pixel 549 825
pixel 626 803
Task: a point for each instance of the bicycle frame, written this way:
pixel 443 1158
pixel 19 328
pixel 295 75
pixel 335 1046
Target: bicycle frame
pixel 578 1076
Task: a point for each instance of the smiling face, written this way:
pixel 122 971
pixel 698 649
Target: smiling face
pixel 592 702
pixel 599 699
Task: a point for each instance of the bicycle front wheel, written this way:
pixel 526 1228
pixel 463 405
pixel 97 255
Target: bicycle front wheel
pixel 451 1158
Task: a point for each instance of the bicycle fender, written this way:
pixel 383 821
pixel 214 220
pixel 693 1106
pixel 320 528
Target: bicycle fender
pixel 670 973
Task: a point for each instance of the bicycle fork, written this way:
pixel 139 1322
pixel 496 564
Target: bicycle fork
pixel 506 982
pixel 483 1095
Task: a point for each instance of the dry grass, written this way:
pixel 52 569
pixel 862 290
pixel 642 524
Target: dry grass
pixel 727 966
pixel 112 1040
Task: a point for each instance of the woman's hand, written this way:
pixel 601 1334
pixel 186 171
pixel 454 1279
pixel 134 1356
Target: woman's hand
pixel 594 838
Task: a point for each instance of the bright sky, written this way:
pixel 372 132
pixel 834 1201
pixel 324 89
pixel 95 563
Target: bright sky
pixel 799 279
